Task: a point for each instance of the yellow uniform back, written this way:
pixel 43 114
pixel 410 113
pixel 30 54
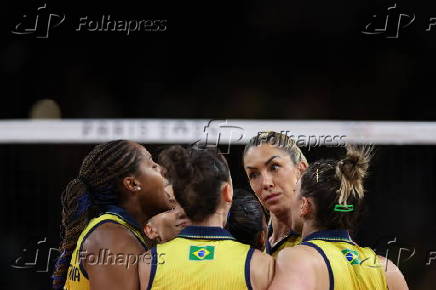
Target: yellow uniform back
pixel 77 278
pixel 350 266
pixel 201 258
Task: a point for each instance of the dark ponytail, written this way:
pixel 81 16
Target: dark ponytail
pixel 246 219
pixel 197 176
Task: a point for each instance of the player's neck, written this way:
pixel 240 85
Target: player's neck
pixel 309 228
pixel 280 229
pixel 214 220
pixel 135 211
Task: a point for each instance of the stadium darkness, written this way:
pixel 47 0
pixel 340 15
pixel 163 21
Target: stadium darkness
pixel 276 60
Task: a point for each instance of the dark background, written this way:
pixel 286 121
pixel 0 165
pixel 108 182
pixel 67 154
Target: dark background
pixel 240 59
pixel 236 59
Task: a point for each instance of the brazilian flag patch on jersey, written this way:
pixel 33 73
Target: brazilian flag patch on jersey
pixel 351 256
pixel 201 253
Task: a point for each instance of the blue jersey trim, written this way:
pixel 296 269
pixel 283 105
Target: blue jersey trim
pixel 153 269
pixel 205 233
pixel 248 268
pixel 268 247
pixel 83 240
pixel 123 214
pixel 327 262
pixel 116 211
pixel 330 236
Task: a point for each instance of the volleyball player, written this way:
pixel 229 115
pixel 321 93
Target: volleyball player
pixel 246 220
pixel 204 255
pixel 104 210
pixel 324 209
pixel 273 163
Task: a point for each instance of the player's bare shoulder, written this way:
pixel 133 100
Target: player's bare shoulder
pixel 261 269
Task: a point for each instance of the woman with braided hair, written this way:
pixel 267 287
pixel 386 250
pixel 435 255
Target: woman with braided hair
pixel 325 207
pixel 104 209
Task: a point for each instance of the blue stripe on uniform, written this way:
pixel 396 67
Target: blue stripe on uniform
pixel 205 233
pixel 326 260
pixel 153 267
pixel 247 268
pixel 82 269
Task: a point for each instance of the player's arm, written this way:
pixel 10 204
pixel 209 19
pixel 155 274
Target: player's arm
pixel 261 270
pixel 144 268
pixel 394 277
pixel 294 269
pixel 121 270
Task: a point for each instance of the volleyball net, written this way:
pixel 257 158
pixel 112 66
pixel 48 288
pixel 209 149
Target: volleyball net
pixel 222 132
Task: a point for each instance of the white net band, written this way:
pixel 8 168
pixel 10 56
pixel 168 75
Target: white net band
pixel 232 131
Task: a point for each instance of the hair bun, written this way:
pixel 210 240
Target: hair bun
pixel 177 163
pixel 352 170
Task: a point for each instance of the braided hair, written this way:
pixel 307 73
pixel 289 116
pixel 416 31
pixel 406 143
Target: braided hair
pixel 86 196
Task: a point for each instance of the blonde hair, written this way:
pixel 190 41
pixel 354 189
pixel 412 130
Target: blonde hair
pixel 351 171
pixel 280 140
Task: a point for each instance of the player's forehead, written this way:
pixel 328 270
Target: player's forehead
pixel 259 155
pixel 141 149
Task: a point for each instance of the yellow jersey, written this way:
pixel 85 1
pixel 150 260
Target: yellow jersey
pixel 77 278
pixel 349 266
pixel 201 258
pixel 290 240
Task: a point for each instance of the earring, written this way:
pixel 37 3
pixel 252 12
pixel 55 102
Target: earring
pixel 138 188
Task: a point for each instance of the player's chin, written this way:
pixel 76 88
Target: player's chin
pixel 183 223
pixel 277 208
pixel 168 206
pixel 161 207
pixel 165 202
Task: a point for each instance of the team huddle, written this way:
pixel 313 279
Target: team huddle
pixel 131 223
